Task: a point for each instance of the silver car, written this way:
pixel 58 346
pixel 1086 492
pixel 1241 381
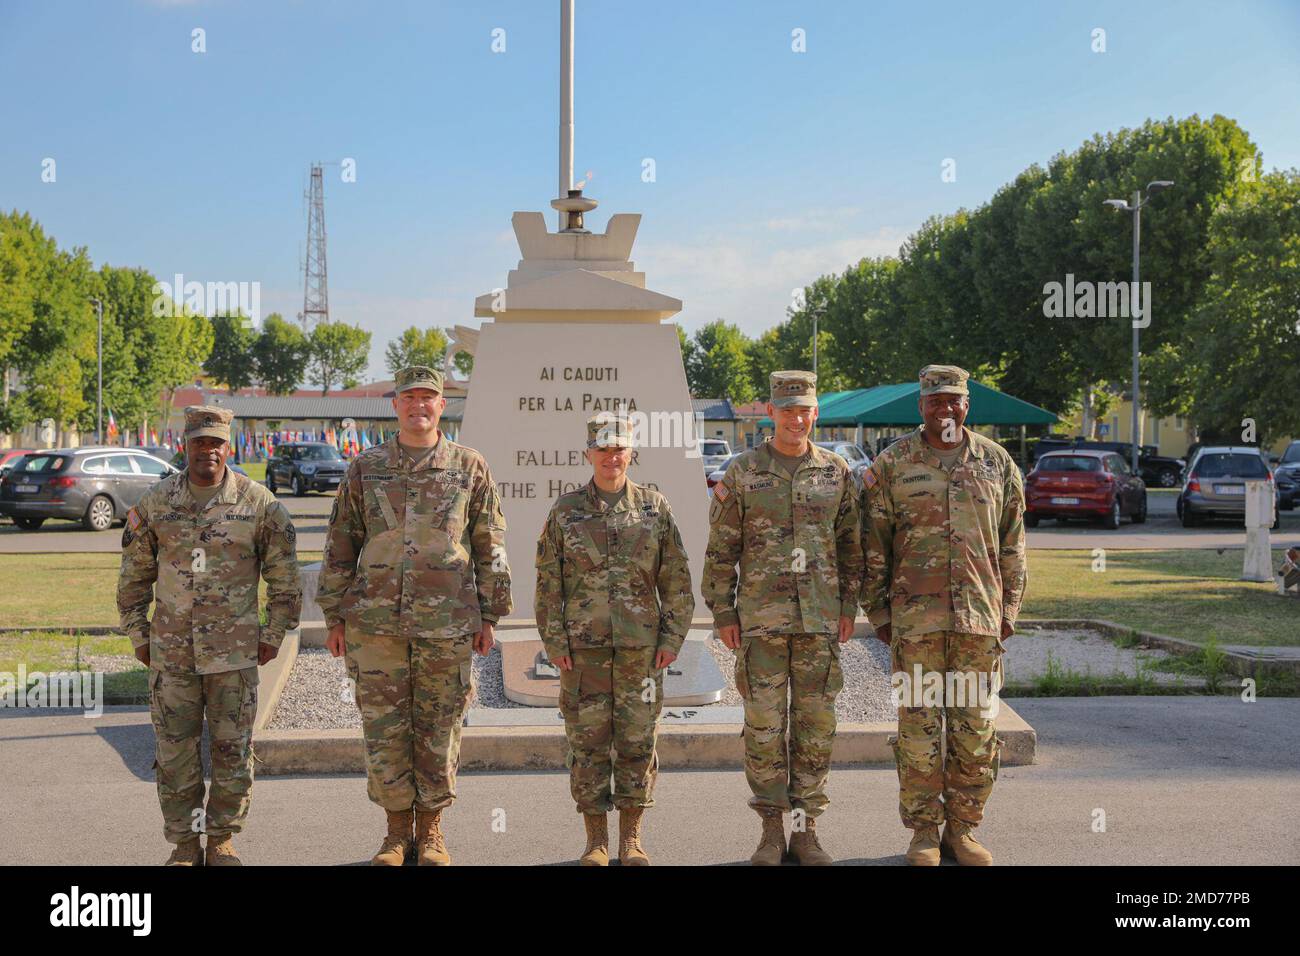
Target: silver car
pixel 1215 484
pixel 715 453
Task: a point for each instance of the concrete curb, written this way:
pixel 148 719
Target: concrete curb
pixel 698 746
pixel 1240 660
pixel 272 679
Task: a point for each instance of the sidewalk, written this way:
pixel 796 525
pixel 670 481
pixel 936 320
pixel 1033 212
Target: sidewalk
pixel 1182 780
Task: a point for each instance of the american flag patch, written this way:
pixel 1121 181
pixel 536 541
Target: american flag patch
pixel 869 478
pixel 720 491
pixel 133 520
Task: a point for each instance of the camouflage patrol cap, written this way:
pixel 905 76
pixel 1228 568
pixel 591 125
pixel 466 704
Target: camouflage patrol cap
pixel 418 376
pixel 609 431
pixel 937 379
pixel 208 421
pixel 793 388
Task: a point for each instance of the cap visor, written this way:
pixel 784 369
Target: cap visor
pixel 221 433
pixel 809 400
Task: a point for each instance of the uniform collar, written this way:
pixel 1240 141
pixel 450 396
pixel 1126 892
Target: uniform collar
pixel 397 459
pixel 596 503
pixel 227 492
pixel 923 451
pixel 765 460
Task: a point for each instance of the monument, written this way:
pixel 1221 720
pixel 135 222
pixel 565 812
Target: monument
pixel 574 333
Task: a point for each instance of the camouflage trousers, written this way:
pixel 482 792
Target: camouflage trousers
pixel 953 780
pixel 789 683
pixel 178 703
pixel 412 695
pixel 611 702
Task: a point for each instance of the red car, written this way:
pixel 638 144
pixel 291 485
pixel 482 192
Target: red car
pixel 1083 483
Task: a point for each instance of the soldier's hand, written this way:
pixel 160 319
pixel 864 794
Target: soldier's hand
pixel 564 663
pixel 485 639
pixel 335 642
pixel 884 633
pixel 846 628
pixel 266 653
pixel 730 636
pixel 663 659
pixel 1007 629
pixel 142 654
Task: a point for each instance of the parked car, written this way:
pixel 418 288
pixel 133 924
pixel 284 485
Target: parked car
pixel 715 452
pixel 10 455
pixel 1084 483
pixel 1158 470
pixel 95 485
pixel 1287 476
pixel 1216 484
pixel 857 457
pixel 305 466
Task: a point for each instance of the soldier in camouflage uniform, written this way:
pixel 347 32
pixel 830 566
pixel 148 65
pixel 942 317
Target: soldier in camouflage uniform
pixel 786 513
pixel 614 602
pixel 413 580
pixel 943 531
pixel 195 546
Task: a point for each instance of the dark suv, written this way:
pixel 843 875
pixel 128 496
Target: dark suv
pixel 1287 475
pixel 95 486
pixel 305 466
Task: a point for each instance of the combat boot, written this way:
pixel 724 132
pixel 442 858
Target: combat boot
pixel 221 852
pixel 428 839
pixel 771 846
pixel 805 848
pixel 597 852
pixel 960 843
pixel 924 848
pixel 630 852
pixel 397 844
pixel 186 853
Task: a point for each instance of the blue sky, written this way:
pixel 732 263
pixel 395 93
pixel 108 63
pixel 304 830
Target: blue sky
pixel 772 167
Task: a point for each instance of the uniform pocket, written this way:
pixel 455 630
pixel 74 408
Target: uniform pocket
pixel 997 744
pixel 248 679
pixel 742 670
pixel 570 682
pixel 835 673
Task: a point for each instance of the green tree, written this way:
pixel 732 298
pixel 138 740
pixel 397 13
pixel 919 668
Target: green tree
pixel 717 365
pixel 281 351
pixel 416 346
pixel 339 354
pixel 231 361
pixel 1240 356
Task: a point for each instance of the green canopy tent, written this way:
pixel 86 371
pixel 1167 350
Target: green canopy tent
pixel 886 406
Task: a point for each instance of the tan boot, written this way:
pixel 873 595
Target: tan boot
pixel 630 852
pixel 186 853
pixel 960 842
pixel 597 852
pixel 924 848
pixel 428 839
pixel 771 846
pixel 397 844
pixel 805 848
pixel 221 852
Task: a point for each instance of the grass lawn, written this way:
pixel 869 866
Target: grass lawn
pixel 1192 594
pixel 67 590
pixel 55 653
pixel 256 470
pixel 1189 594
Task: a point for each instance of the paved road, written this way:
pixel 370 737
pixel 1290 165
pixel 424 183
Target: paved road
pixel 311 514
pixel 1182 780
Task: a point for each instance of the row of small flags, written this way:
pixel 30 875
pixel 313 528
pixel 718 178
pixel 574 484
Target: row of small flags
pixel 254 445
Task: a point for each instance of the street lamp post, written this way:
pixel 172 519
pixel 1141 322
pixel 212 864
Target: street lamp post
pixel 1135 207
pixel 99 405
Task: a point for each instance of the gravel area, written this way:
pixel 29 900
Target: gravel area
pixel 318 695
pixel 1082 651
pixel 110 663
pixel 865 697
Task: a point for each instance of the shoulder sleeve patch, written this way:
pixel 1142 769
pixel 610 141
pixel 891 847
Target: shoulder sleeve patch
pixel 721 491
